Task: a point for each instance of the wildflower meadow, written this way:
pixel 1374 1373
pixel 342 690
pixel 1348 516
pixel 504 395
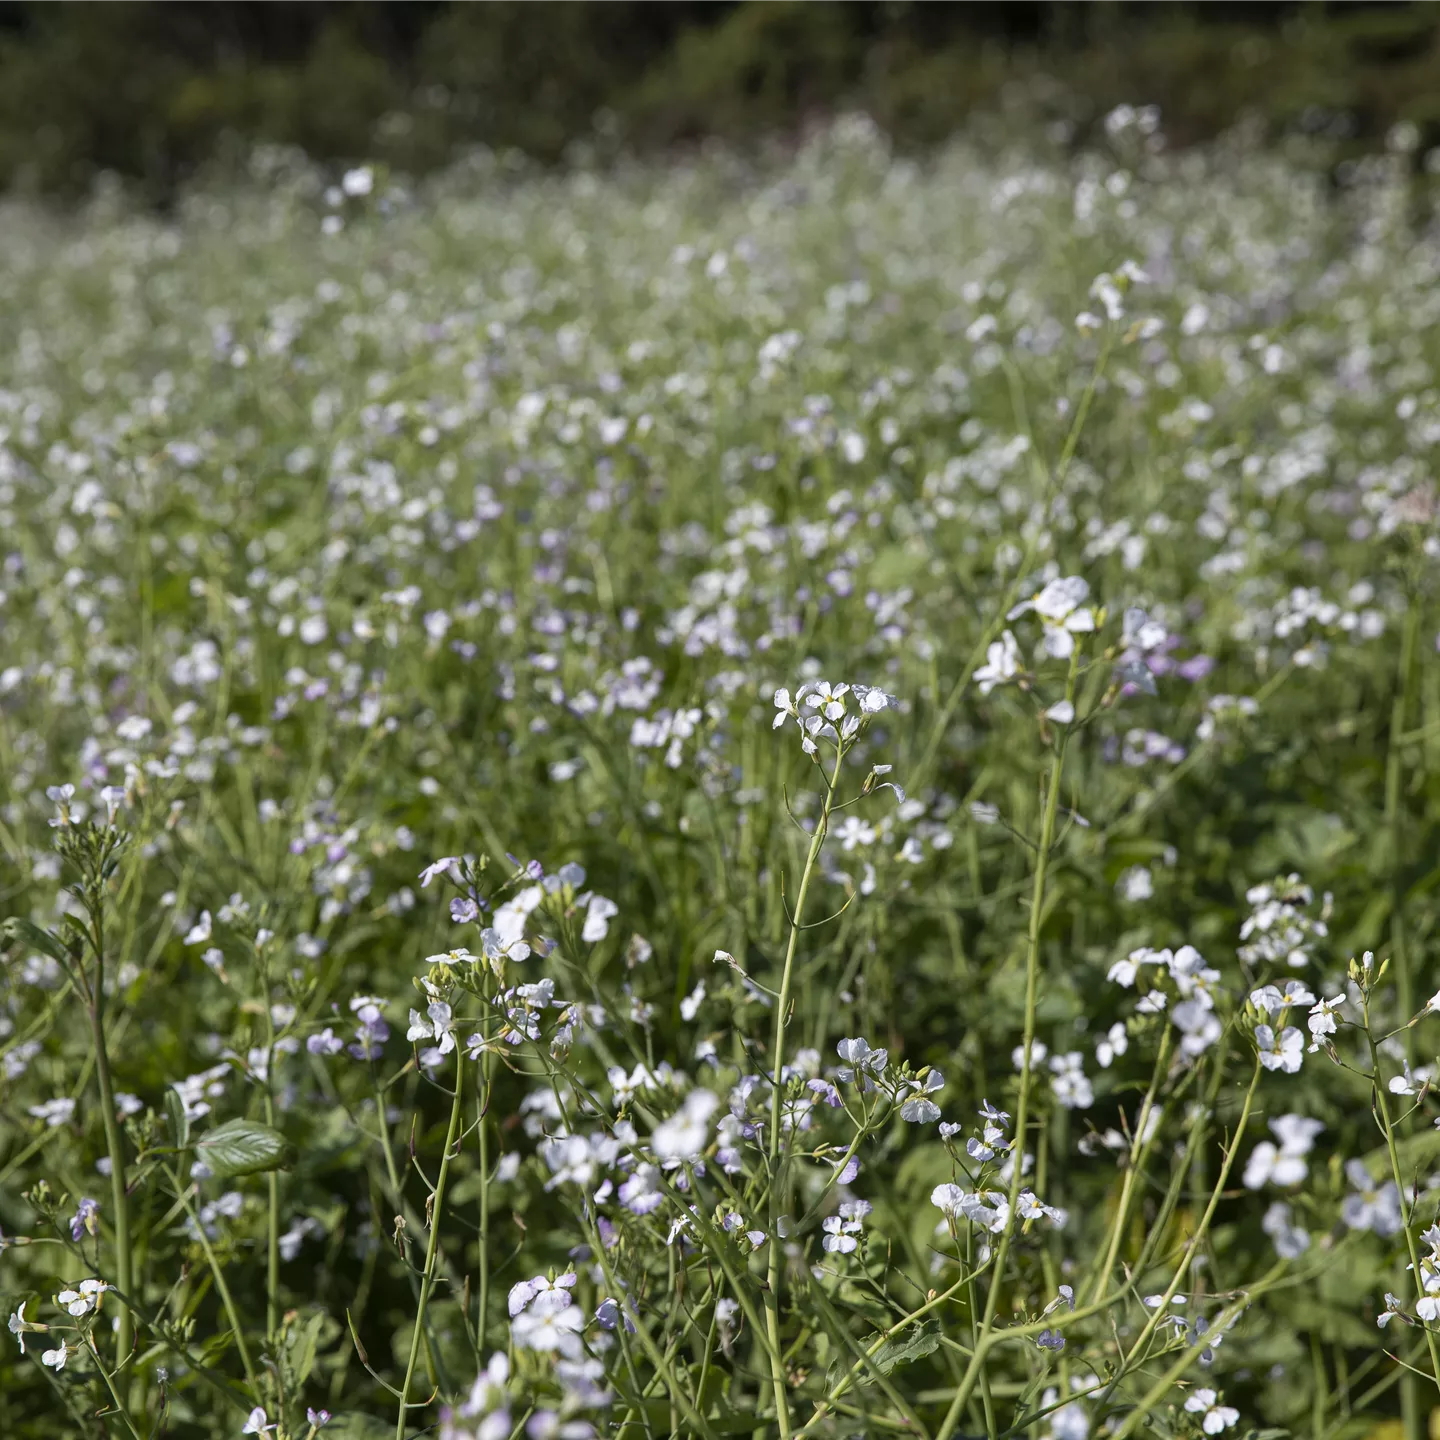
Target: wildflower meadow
pixel 790 795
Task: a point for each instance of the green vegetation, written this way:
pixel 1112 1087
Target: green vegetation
pixel 783 796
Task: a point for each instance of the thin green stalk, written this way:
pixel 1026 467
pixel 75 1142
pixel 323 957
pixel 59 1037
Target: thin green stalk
pixel 1139 1143
pixel 1394 773
pixel 432 1355
pixel 272 1219
pixel 1192 1246
pixel 774 1275
pixel 110 1386
pixel 824 1405
pixel 1407 1215
pixel 1022 1107
pixel 1188 1357
pixel 427 1280
pixel 182 1189
pixel 114 1145
pixel 647 1343
pixel 1055 481
pixel 483 1125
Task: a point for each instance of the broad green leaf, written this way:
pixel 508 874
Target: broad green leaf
pixel 911 1345
pixel 914 1345
pixel 244 1147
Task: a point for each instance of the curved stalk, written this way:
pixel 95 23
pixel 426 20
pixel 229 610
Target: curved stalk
pixel 775 1270
pixel 1022 1108
pixel 114 1145
pixel 427 1280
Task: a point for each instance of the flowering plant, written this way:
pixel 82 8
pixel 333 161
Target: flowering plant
pixel 714 801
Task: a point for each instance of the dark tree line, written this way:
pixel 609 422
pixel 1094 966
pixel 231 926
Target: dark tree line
pixel 153 90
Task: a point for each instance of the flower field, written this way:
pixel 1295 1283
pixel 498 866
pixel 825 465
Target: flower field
pixel 793 796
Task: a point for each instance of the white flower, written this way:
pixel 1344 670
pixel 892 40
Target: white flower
pixel 690 1005
pixel 1071 1086
pixel 1135 884
pixel 1370 1206
pixel 1216 1417
pixel 1268 1164
pixel 948 1198
pixel 598 915
pixel 1123 972
pixel 524 1292
pixel 1062 712
pixel 445 865
pixel 827 699
pixel 1002 663
pixel 436 1022
pixel 200 931
pixel 685 1134
pixel 56 1112
pixel 1059 606
pixel 1322 1019
pixel 82 1301
pixel 854 831
pixel 1285 1052
pixel 873 700
pixel 55 1359
pixel 1411 1082
pixel 919 1110
pixel 550 1325
pixel 1114 1043
pixel 1290 1241
pixel 358 182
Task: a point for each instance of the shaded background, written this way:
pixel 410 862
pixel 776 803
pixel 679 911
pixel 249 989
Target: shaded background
pixel 157 91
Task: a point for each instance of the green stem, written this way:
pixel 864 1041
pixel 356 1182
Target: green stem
pixel 483 1126
pixel 218 1274
pixel 110 1386
pixel 1394 774
pixel 1192 1246
pixel 1407 1215
pixel 1022 1109
pixel 272 1221
pixel 119 1196
pixel 432 1249
pixel 435 1367
pixel 1139 1144
pixel 1142 1412
pixel 775 1272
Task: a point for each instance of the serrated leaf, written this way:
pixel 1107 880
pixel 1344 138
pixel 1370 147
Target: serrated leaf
pixel 914 1346
pixel 28 933
pixel 244 1147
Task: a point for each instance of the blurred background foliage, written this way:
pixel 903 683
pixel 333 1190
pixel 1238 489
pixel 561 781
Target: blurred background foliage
pixel 155 92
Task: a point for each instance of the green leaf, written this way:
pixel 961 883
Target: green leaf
pixel 28 933
pixel 297 1355
pixel 244 1147
pixel 913 1346
pixel 179 1121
